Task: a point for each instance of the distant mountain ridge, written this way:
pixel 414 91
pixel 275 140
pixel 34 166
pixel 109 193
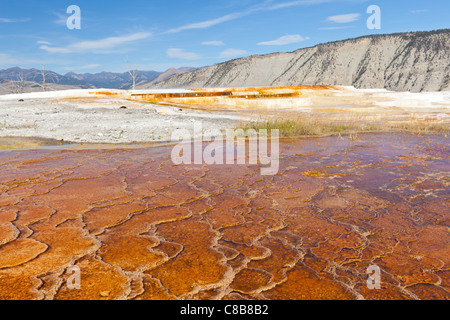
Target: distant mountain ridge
pixel 415 61
pixel 112 80
pixel 108 80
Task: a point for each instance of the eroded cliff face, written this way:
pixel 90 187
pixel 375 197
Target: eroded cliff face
pixel 400 62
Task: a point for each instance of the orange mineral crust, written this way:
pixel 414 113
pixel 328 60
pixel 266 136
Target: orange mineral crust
pixel 139 227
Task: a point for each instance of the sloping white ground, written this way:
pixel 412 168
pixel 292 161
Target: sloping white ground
pixel 51 94
pixel 44 115
pixel 385 98
pixel 77 93
pixel 48 115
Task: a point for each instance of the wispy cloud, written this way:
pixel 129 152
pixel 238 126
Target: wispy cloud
pixel 15 60
pixel 61 19
pixel 6 59
pixel 208 23
pixel 213 43
pixel 98 46
pixel 181 54
pixel 230 53
pixel 295 4
pixel 43 42
pixel 419 11
pixel 344 18
pixel 8 20
pixel 335 28
pixel 284 40
pixel 266 6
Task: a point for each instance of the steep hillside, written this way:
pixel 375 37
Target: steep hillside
pixel 162 77
pixel 414 62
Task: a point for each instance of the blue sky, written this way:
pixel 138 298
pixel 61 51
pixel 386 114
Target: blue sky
pixel 159 34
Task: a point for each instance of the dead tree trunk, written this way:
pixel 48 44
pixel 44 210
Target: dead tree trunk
pixel 44 82
pixel 133 74
pixel 18 85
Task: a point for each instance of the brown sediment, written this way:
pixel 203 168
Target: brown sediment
pixel 140 227
pixel 232 98
pixel 105 93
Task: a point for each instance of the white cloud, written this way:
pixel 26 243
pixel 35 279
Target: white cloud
pixel 97 46
pixel 213 43
pixel 181 54
pixel 344 18
pixel 284 40
pixel 44 42
pixel 230 53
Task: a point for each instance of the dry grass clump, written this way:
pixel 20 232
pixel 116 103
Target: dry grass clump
pixel 297 127
pixel 302 125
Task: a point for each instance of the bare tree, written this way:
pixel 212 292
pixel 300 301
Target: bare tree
pixel 44 76
pixel 133 73
pixel 17 86
pixel 20 83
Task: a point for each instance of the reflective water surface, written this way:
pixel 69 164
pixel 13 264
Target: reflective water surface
pixel 140 227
